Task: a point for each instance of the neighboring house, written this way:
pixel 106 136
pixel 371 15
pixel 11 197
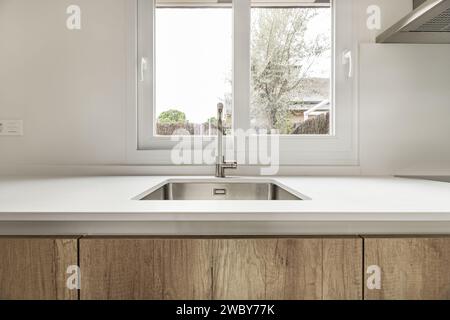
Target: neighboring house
pixel 312 100
pixel 309 109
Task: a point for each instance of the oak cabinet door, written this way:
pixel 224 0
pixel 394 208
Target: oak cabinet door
pixel 33 268
pixel 416 268
pixel 145 269
pixel 225 268
pixel 342 269
pixel 288 269
pixel 267 269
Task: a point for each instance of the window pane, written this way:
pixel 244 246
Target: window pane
pixel 193 65
pixel 291 68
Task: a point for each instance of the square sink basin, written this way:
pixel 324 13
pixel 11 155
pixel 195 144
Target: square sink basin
pixel 226 189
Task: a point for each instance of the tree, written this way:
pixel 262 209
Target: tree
pixel 282 56
pixel 172 117
pixel 212 121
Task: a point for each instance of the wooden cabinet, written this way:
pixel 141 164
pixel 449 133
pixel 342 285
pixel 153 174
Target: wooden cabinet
pixel 291 269
pixel 342 264
pixel 268 269
pixel 35 268
pixel 413 268
pixel 225 268
pixel 410 267
pixel 140 268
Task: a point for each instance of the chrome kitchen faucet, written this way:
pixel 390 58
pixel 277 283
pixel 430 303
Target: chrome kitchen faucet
pixel 221 164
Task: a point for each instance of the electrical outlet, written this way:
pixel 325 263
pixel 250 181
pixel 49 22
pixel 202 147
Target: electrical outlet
pixel 11 128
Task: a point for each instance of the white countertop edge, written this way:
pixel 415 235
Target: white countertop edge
pixel 228 217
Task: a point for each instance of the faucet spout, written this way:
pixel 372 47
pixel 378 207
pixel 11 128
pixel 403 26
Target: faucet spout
pixel 221 163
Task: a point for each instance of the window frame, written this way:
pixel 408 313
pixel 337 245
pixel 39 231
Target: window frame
pixel 339 148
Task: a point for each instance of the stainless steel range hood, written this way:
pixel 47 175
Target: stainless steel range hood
pixel 428 23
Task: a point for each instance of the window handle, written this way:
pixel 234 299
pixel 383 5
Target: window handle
pixel 144 67
pixel 347 59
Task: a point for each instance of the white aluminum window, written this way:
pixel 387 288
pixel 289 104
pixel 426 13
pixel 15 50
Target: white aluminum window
pixel 280 67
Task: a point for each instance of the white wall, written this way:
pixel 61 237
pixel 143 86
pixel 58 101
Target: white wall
pixel 68 86
pixel 405 109
pixel 70 89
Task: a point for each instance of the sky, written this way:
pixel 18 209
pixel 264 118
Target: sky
pixel 193 59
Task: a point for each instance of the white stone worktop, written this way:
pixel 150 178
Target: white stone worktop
pixel 333 199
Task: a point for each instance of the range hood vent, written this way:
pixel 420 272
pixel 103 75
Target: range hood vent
pixel 428 23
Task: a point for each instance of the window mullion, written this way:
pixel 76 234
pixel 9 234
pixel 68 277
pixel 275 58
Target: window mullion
pixel 241 63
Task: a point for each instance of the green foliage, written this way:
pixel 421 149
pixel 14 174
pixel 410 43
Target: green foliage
pixel 172 117
pixel 212 120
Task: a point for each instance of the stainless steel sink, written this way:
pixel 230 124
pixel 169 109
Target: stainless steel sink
pixel 217 190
